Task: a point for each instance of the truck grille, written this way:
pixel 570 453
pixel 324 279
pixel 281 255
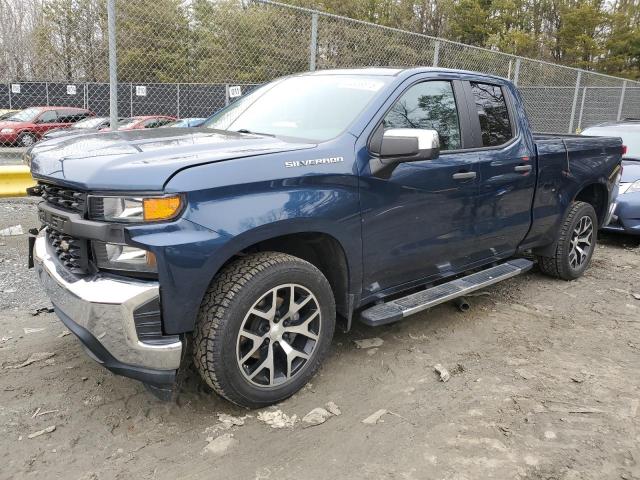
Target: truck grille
pixel 64 198
pixel 71 252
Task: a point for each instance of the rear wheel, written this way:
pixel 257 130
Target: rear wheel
pixel 27 139
pixel 264 328
pixel 576 244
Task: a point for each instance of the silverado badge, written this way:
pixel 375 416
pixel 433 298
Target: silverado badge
pixel 316 161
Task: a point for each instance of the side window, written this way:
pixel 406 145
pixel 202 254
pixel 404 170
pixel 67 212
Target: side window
pixel 68 116
pixel 428 105
pixel 80 115
pixel 49 116
pixel 164 121
pixel 153 123
pixel 493 113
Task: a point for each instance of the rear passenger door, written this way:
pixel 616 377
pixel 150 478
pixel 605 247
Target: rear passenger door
pixel 507 167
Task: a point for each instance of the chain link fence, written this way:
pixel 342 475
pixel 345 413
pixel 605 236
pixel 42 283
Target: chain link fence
pixel 181 100
pixel 185 58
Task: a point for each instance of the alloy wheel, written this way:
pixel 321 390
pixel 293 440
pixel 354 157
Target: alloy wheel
pixel 27 140
pixel 581 242
pixel 278 335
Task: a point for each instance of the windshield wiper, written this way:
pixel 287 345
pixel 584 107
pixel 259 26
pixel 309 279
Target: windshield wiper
pixel 244 130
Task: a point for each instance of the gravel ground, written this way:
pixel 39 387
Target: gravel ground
pixel 544 384
pixel 19 288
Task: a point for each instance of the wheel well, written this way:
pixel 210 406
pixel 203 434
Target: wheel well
pixel 325 253
pixel 596 195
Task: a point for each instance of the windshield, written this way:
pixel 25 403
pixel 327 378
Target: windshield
pixel 630 137
pixel 310 107
pixel 26 115
pixel 89 123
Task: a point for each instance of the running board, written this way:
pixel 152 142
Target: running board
pixel 395 310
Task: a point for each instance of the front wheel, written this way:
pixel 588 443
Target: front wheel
pixel 575 245
pixel 27 139
pixel 264 327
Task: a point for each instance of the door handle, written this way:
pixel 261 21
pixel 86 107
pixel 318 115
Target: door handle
pixel 523 168
pixel 464 175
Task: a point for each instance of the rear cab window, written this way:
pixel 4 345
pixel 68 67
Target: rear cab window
pixel 493 113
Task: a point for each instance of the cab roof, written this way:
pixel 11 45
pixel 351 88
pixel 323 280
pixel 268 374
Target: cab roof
pixel 396 72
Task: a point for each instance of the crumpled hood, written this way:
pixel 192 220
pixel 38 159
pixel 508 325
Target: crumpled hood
pixel 142 159
pixel 630 171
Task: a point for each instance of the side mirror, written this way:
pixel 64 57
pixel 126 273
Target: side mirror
pixel 397 145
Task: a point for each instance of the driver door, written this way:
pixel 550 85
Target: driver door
pixel 418 224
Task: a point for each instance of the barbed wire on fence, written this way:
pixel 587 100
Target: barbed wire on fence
pixel 181 58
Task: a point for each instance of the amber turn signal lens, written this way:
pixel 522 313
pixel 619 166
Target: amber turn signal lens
pixel 151 259
pixel 162 208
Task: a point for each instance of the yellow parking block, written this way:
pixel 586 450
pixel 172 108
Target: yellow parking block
pixel 14 180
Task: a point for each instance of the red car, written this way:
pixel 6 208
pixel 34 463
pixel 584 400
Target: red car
pixel 144 121
pixel 26 127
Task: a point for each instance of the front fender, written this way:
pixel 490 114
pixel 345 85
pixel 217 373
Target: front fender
pixel 219 223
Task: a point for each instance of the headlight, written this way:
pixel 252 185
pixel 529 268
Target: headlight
pixel 7 130
pixel 634 187
pixel 134 209
pixel 123 257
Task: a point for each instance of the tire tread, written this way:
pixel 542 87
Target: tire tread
pixel 554 266
pixel 218 299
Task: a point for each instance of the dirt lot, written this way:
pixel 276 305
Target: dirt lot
pixel 545 385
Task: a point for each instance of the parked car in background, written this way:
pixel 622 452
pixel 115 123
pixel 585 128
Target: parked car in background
pixel 144 121
pixel 88 125
pixel 626 216
pixel 185 123
pixel 26 127
pixel 7 113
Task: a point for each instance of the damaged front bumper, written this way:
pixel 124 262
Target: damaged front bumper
pixel 100 310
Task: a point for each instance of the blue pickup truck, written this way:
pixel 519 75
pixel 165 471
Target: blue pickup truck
pixel 316 200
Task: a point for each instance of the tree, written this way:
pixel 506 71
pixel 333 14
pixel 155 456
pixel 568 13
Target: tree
pixel 592 34
pixel 622 46
pixel 152 41
pixel 17 24
pixel 243 40
pixel 70 41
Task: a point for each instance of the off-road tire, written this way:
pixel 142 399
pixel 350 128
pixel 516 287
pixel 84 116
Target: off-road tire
pixel 229 298
pixel 558 265
pixel 27 139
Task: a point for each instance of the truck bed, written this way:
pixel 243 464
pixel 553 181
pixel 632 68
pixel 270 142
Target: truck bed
pixel 566 165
